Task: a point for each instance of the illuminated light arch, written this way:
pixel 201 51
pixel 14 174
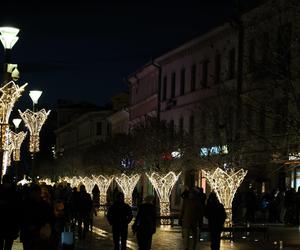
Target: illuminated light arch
pixel 163 185
pixel 34 122
pixel 127 185
pixel 103 183
pixel 225 185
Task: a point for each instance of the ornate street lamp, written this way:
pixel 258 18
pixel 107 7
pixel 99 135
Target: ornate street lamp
pixel 8 37
pixel 9 91
pixel 34 120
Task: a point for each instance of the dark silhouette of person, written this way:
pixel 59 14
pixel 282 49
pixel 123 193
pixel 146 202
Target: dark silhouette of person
pixel 119 216
pixel 189 216
pixel 9 215
pixel 201 196
pixel 37 221
pixel 145 223
pixel 85 206
pixel 216 215
pixel 96 198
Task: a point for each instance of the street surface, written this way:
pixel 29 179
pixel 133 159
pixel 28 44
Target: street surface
pixel 167 238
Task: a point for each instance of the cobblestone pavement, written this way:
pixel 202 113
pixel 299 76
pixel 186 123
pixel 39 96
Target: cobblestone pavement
pixel 167 238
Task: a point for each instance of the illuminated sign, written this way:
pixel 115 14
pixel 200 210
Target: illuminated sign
pixel 215 150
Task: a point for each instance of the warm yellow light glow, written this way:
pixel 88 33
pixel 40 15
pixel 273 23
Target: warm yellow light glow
pixel 9 94
pixel 8 36
pixel 17 140
pixel 47 181
pixel 225 185
pixel 163 185
pixel 34 122
pixel 127 184
pixel 23 181
pixel 103 183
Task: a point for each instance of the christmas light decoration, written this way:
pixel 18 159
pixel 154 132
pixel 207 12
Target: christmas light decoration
pixel 23 181
pixel 163 185
pixel 34 122
pixel 127 184
pixel 6 161
pixel 88 183
pixel 225 185
pixel 17 140
pixel 9 94
pixel 47 181
pixel 103 183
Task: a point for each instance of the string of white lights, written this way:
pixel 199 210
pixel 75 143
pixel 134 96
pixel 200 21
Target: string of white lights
pixel 225 185
pixel 127 184
pixel 34 122
pixel 163 185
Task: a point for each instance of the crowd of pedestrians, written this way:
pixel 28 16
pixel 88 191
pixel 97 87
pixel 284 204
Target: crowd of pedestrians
pixel 194 208
pixel 39 214
pixel 277 206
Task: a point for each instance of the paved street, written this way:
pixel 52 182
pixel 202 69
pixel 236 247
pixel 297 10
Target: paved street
pixel 170 238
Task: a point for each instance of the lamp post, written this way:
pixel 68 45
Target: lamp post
pixel 9 91
pixel 35 96
pixel 8 37
pixel 34 120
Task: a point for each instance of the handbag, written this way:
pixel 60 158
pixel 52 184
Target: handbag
pixel 67 237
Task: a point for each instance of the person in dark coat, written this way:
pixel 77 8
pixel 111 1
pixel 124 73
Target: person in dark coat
pixel 145 223
pixel 37 221
pixel 216 215
pixel 190 214
pixel 9 219
pixel 119 216
pixel 85 206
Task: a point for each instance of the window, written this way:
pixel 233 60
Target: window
pixel 204 74
pixel 262 120
pixel 217 68
pixel 249 120
pixel 173 85
pixel 265 48
pixel 99 128
pixel 181 125
pixel 164 89
pixel 108 128
pixel 182 81
pixel 172 127
pixel 193 78
pixel 251 55
pixel 283 58
pixel 203 126
pixel 191 125
pixel 231 64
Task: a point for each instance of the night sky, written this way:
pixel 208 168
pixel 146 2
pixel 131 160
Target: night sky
pixel 83 51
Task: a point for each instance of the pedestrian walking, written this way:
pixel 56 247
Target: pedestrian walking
pixel 119 216
pixel 9 216
pixel 201 196
pixel 85 206
pixel 216 215
pixel 36 222
pixel 189 218
pixel 145 223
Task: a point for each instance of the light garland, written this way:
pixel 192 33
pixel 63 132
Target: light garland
pixel 127 184
pixel 47 181
pixel 17 140
pixel 23 182
pixel 103 182
pixel 34 122
pixel 225 185
pixel 163 185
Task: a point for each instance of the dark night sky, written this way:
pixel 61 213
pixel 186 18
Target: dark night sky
pixel 83 51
